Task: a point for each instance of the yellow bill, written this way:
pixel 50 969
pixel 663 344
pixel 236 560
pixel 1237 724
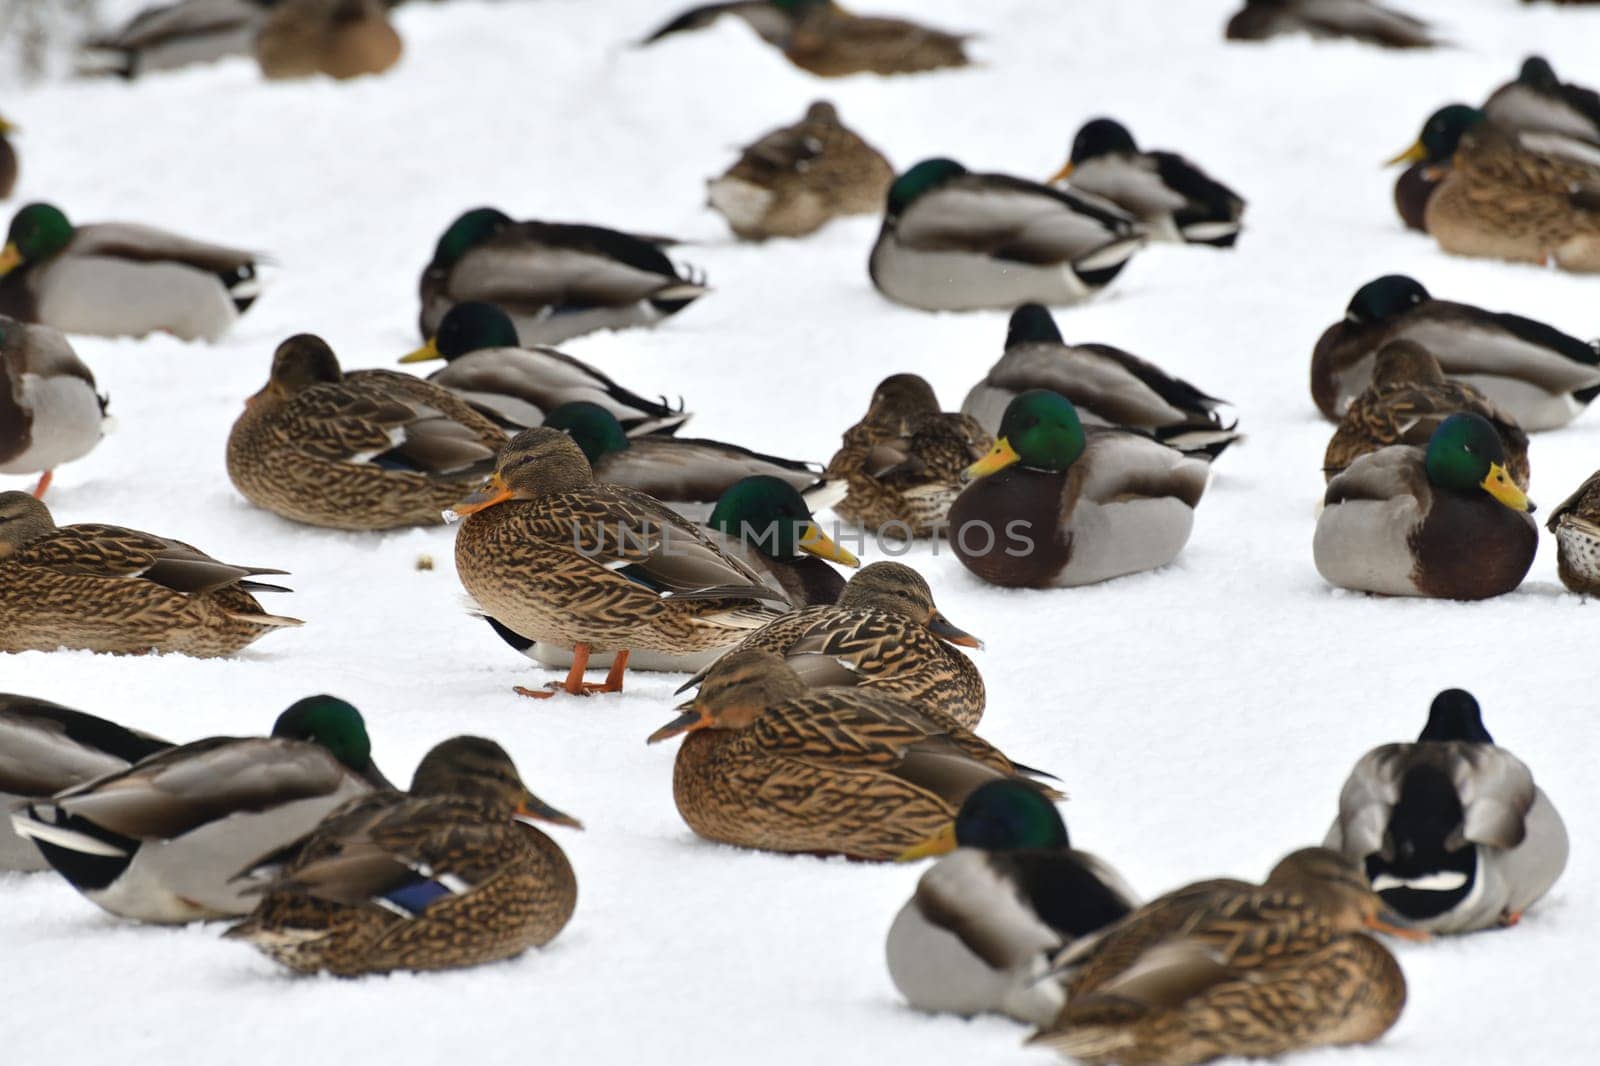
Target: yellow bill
pixel 1063 174
pixel 1415 154
pixel 1000 457
pixel 941 843
pixel 814 541
pixel 423 354
pixel 1499 485
pixel 10 259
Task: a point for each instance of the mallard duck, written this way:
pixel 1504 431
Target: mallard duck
pixel 562 559
pixel 1055 505
pixel 1541 377
pixel 170 35
pixel 1539 102
pixel 339 38
pixel 1357 20
pixel 117 279
pixel 901 464
pixel 1108 386
pixel 987 918
pixel 956 241
pixel 371 449
pixel 687 474
pixel 772 765
pixel 1506 196
pixel 884 635
pixel 821 37
pixel 108 589
pixel 1408 398
pixel 486 365
pixel 45 748
pixel 1576 525
pixel 1223 968
pixel 796 179
pixel 50 412
pixel 1176 199
pixel 1451 830
pixel 8 160
pixel 441 877
pixel 760 521
pixel 1445 521
pixel 556 280
pixel 194 832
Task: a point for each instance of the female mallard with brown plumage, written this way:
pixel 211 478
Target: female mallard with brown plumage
pixel 1221 968
pixel 821 37
pixel 555 280
pixel 195 832
pixel 1538 375
pixel 688 474
pixel 796 179
pixel 1576 525
pixel 339 38
pixel 371 449
pixel 50 412
pixel 884 635
pixel 773 765
pixel 515 387
pixel 441 877
pixel 1057 505
pixel 1506 196
pixel 117 279
pixel 1408 398
pixel 1445 521
pixel 108 589
pixel 46 748
pixel 567 561
pixel 1106 385
pixel 901 464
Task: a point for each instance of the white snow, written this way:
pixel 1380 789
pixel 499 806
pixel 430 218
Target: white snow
pixel 1203 717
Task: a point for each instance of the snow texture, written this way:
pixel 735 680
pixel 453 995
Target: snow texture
pixel 1202 717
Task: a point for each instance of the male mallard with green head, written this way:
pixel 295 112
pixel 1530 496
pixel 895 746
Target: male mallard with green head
pixel 1445 521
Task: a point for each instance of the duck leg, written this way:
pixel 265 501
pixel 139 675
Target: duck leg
pixel 575 685
pixel 44 484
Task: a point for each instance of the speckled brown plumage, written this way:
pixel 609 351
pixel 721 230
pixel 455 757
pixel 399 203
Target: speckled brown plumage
pixel 566 561
pixel 1576 525
pixel 1226 968
pixel 795 179
pixel 118 590
pixel 903 461
pixel 8 162
pixel 1408 398
pixel 772 765
pixel 833 43
pixel 1501 200
pixel 371 449
pixel 339 38
pixel 885 635
pixel 441 878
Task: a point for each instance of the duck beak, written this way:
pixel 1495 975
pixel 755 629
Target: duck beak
pixel 537 809
pixel 690 720
pixel 1000 457
pixel 1392 924
pixel 941 843
pixel 940 627
pixel 1415 154
pixel 1499 485
pixel 10 259
pixel 423 354
pixel 494 491
pixel 814 541
pixel 1063 174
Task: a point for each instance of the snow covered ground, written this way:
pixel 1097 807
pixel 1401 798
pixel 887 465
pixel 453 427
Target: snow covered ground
pixel 1203 717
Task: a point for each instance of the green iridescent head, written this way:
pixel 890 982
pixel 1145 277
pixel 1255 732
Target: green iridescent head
pixel 920 180
pixel 592 428
pixel 1441 134
pixel 38 231
pixel 471 327
pixel 1008 815
pixel 332 723
pixel 467 232
pixel 1040 429
pixel 1465 455
pixel 767 515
